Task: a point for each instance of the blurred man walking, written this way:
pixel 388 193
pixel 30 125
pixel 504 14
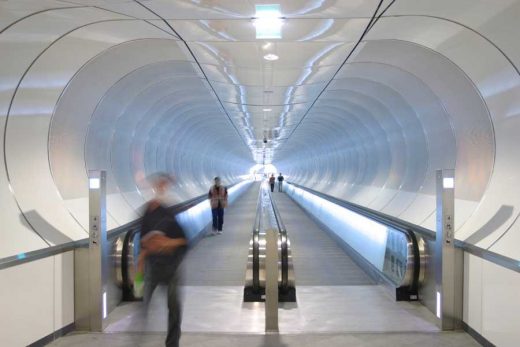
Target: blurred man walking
pixel 163 244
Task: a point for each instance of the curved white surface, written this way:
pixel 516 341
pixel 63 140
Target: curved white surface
pixel 97 84
pixel 110 85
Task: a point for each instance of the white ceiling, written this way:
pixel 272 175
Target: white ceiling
pixel 316 38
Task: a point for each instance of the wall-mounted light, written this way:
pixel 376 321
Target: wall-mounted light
pixel 271 57
pixel 448 182
pixel 94 183
pixel 438 311
pixel 104 305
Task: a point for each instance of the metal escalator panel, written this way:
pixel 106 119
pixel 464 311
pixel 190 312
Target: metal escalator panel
pixel 130 254
pixel 267 218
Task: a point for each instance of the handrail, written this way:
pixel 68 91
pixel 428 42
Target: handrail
pixel 283 242
pixel 495 258
pixel 26 257
pixel 277 215
pixel 256 244
pixel 372 214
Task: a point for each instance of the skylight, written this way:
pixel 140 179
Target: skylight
pixel 268 21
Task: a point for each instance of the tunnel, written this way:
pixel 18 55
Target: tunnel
pixel 360 101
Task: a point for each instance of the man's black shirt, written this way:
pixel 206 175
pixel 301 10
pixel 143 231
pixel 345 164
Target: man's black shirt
pixel 159 219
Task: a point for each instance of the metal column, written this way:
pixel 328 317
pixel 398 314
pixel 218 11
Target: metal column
pixel 91 264
pixel 449 267
pixel 271 281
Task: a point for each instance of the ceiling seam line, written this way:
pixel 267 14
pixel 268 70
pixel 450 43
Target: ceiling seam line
pixel 200 67
pixel 368 27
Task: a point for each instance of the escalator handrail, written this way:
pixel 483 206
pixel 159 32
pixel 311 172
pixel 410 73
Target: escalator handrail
pixel 380 217
pixel 256 243
pixel 277 214
pixel 283 242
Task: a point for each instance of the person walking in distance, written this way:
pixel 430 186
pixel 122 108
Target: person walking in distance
pixel 271 182
pixel 218 196
pixel 163 246
pixel 280 182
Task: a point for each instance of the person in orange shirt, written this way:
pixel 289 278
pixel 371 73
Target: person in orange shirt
pixel 218 196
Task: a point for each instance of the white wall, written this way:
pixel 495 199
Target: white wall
pixel 37 298
pixel 491 301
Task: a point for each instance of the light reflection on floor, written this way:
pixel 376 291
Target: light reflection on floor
pixel 320 309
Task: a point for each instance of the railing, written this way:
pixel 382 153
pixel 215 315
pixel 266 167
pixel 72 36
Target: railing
pixel 26 257
pixel 59 249
pixel 256 244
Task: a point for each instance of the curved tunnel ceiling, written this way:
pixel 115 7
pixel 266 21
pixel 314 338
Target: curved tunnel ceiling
pixel 140 86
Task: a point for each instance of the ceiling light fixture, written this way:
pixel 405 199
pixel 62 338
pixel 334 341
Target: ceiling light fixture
pixel 271 57
pixel 267 109
pixel 268 21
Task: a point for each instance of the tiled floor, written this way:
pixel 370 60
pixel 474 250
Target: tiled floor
pixel 337 304
pixel 242 340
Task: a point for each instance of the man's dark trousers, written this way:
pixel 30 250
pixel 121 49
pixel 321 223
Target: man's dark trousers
pixel 165 274
pixel 218 218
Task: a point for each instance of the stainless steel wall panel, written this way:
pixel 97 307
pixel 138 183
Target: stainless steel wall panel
pixel 16 11
pixel 26 152
pixel 482 70
pixel 69 150
pixel 92 59
pixel 432 85
pixel 20 47
pixel 466 130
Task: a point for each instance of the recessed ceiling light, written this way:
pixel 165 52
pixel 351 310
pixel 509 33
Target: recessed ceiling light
pixel 271 57
pixel 267 109
pixel 268 21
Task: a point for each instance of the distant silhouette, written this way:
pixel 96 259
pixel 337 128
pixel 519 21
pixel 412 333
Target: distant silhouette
pixel 271 182
pixel 280 182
